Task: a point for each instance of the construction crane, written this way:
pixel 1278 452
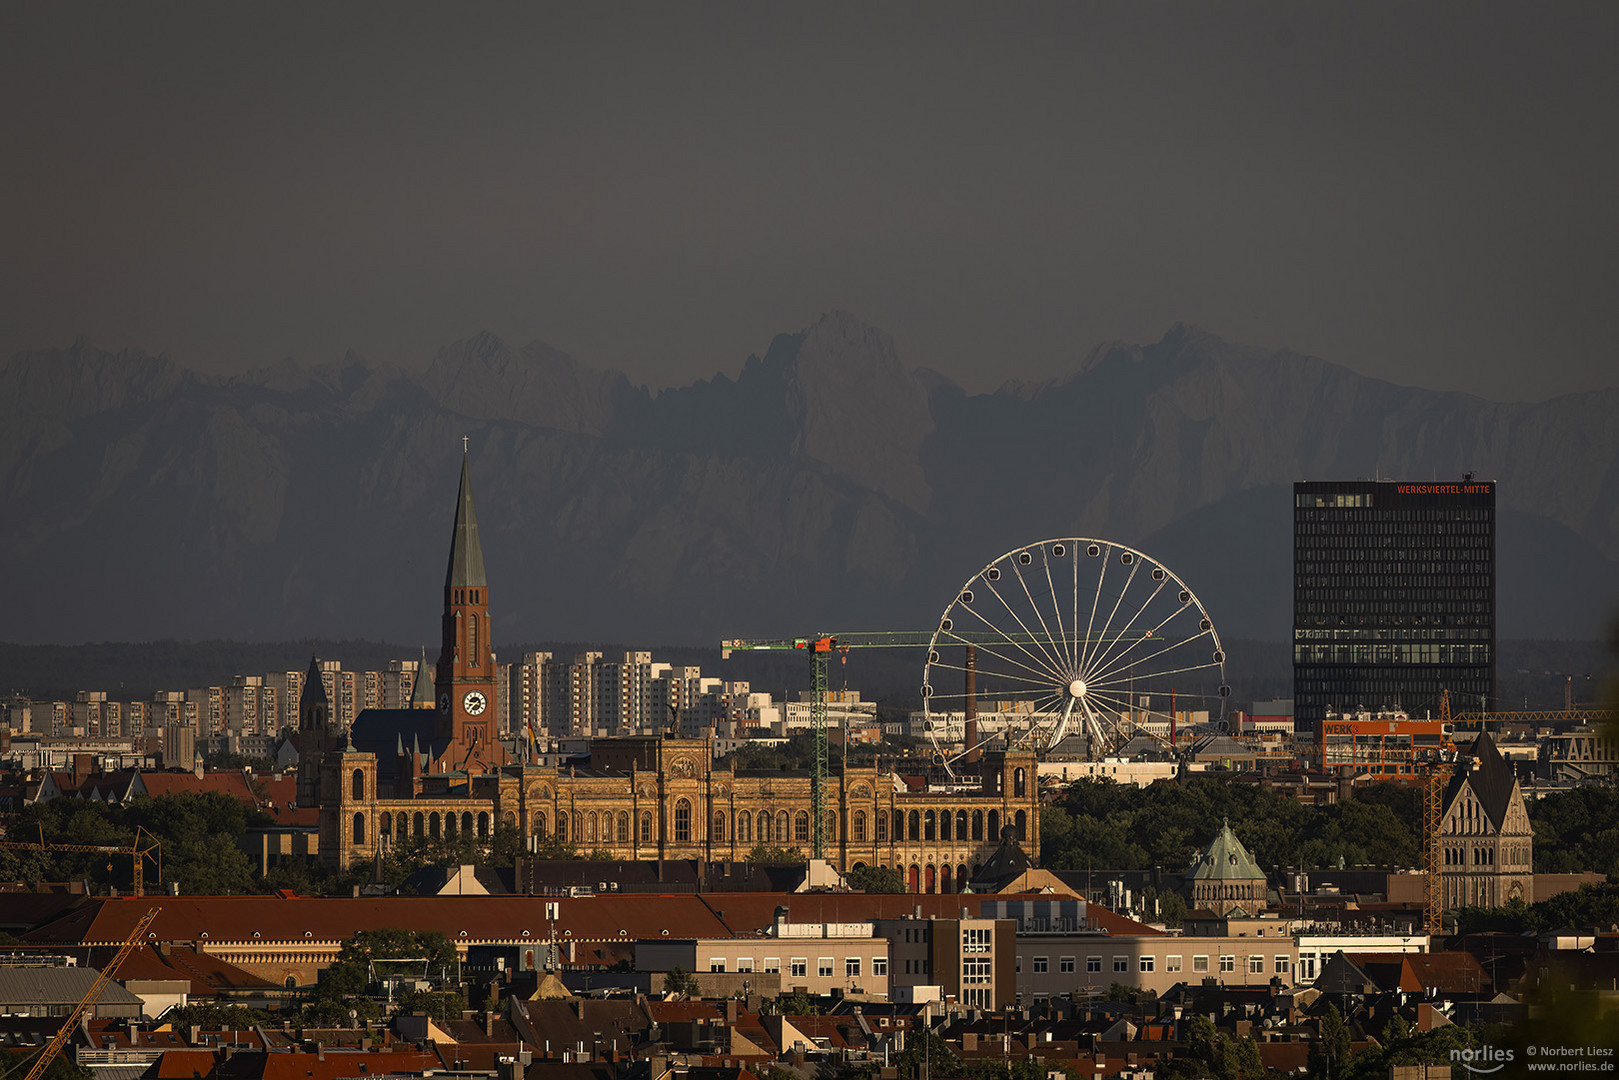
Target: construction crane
pixel 820 648
pixel 145 846
pixel 1533 716
pixel 1433 811
pixel 54 1047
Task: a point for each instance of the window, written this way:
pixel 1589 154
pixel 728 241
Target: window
pixel 823 967
pixel 1066 965
pixel 851 967
pixel 1282 965
pixel 772 965
pixel 716 964
pixel 799 967
pixel 1093 963
pixel 1256 965
pixel 1307 967
pixel 646 827
pixel 1039 965
pixel 1200 963
pixel 879 965
pixel 1228 963
pixel 1172 963
pixel 859 826
pixel 682 821
pixel 975 940
pixel 1121 963
pixel 801 826
pixel 1146 963
pixel 744 963
pixel 975 972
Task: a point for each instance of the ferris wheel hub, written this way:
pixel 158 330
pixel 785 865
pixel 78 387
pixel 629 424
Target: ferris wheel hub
pixel 1076 689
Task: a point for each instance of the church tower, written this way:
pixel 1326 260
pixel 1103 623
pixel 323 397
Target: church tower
pixel 314 734
pixel 465 678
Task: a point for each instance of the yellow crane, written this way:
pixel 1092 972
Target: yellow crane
pixel 54 1047
pixel 145 846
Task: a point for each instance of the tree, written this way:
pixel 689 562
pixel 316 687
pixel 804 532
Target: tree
pixel 875 879
pixel 797 1004
pixel 1329 1055
pixel 348 981
pixel 556 849
pixel 680 982
pixel 770 853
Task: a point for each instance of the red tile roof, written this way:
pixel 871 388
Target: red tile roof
pixel 464 919
pixel 226 781
pixel 207 974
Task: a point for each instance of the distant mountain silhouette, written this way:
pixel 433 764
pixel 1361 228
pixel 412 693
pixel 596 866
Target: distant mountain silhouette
pixel 826 487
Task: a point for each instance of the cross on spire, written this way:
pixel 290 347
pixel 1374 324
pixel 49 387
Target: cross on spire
pixel 463 444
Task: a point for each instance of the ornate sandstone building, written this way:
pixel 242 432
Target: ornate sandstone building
pixel 443 772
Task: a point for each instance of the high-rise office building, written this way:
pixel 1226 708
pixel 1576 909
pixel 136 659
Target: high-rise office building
pixel 1393 596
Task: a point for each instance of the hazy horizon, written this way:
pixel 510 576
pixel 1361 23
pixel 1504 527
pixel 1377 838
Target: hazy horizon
pixel 1421 194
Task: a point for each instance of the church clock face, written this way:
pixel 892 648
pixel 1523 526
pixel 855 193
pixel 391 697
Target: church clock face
pixel 444 704
pixel 474 703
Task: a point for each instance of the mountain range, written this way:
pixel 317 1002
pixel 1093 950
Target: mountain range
pixel 826 487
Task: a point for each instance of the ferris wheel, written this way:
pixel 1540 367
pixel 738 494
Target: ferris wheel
pixel 1068 636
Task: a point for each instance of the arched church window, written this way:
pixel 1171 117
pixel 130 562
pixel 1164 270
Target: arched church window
pixel 359 783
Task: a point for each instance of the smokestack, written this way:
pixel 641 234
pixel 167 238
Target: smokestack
pixel 970 677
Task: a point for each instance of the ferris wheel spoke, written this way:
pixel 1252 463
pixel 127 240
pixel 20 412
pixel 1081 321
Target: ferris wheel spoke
pixel 996 676
pixel 1069 657
pixel 1103 656
pixel 1096 599
pixel 1115 660
pixel 1107 624
pixel 1159 673
pixel 1056 664
pixel 1160 652
pixel 1041 664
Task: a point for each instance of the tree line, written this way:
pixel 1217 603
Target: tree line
pixel 1096 824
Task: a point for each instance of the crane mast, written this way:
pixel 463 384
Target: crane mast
pixel 54 1047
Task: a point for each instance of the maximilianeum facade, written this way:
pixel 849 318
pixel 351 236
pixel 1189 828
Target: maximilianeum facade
pixel 657 797
pixel 439 770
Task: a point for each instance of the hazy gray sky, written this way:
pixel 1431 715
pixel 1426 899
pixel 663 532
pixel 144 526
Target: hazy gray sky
pixel 1424 192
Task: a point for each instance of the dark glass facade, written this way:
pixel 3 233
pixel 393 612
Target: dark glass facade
pixel 1393 596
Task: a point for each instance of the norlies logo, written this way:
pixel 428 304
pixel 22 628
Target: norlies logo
pixel 1485 1059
